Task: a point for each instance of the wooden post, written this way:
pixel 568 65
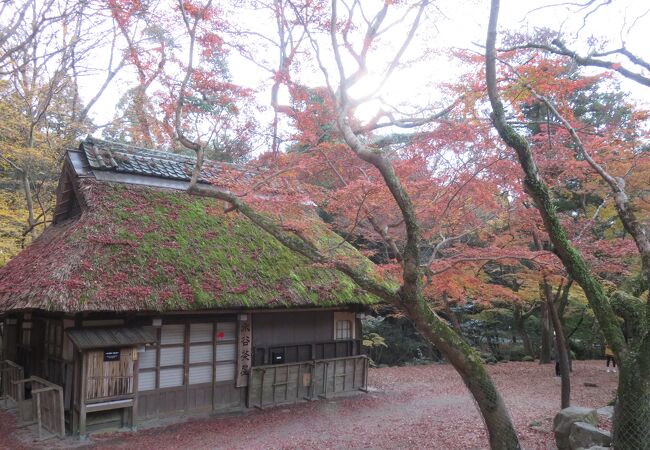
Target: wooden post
pixel 134 408
pixel 214 370
pixel 186 365
pixel 75 393
pixel 82 399
pixel 3 383
pixel 325 367
pixel 286 386
pixel 262 389
pixel 365 375
pixel 38 414
pixel 312 380
pixel 299 382
pixel 275 377
pixel 62 422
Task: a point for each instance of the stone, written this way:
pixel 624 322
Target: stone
pixel 539 426
pixel 585 435
pixel 606 411
pixel 567 417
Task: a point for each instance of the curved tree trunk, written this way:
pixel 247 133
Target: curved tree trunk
pixel 464 358
pixel 632 418
pixel 468 364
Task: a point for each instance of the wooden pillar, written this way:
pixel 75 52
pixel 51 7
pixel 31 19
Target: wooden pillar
pixel 75 393
pixel 214 365
pixel 38 414
pixel 82 398
pixel 134 408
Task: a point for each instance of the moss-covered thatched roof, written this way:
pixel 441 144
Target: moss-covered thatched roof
pixel 144 249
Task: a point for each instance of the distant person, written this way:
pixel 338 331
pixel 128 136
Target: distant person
pixel 609 355
pixel 556 357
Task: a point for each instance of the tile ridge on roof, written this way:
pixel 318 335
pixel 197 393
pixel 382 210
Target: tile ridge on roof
pixel 123 158
pixel 137 150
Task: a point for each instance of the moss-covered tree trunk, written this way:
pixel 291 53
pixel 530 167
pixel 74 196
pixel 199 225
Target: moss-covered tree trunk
pixel 464 358
pixel 632 418
pixel 469 366
pixel 632 412
pixel 409 297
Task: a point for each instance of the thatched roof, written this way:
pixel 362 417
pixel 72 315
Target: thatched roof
pixel 138 248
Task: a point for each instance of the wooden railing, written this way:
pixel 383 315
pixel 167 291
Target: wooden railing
pixel 10 373
pixel 279 384
pixel 47 408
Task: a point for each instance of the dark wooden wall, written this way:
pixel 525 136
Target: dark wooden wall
pixel 9 341
pixel 271 329
pixel 300 336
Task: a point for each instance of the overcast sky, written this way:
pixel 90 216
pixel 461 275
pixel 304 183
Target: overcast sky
pixel 463 24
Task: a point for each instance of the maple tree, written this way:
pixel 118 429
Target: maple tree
pixel 328 112
pixel 388 199
pixel 428 193
pixel 634 389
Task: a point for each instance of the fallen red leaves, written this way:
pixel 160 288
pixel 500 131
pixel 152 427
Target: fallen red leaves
pixel 408 407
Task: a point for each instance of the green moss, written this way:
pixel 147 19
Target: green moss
pixel 173 251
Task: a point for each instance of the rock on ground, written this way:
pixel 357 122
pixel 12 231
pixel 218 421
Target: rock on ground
pixel 567 417
pixel 584 435
pixel 606 411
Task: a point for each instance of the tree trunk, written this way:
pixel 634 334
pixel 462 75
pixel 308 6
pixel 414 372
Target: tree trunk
pixel 560 308
pixel 453 318
pixel 29 201
pixel 464 358
pixel 546 334
pixel 139 105
pixel 633 383
pixel 560 345
pixel 632 412
pixel 468 364
pixel 520 328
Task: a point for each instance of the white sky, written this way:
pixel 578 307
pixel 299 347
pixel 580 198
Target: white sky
pixel 463 25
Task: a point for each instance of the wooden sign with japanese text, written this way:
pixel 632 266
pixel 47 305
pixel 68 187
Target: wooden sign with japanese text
pixel 244 349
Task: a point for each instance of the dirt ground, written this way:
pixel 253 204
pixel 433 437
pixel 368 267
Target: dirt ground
pixel 424 407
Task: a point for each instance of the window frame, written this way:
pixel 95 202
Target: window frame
pixel 343 330
pixel 341 316
pixel 187 345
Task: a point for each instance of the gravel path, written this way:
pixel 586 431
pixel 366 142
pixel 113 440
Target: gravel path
pixel 408 407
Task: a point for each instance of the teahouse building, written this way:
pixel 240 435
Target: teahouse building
pixel 142 301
